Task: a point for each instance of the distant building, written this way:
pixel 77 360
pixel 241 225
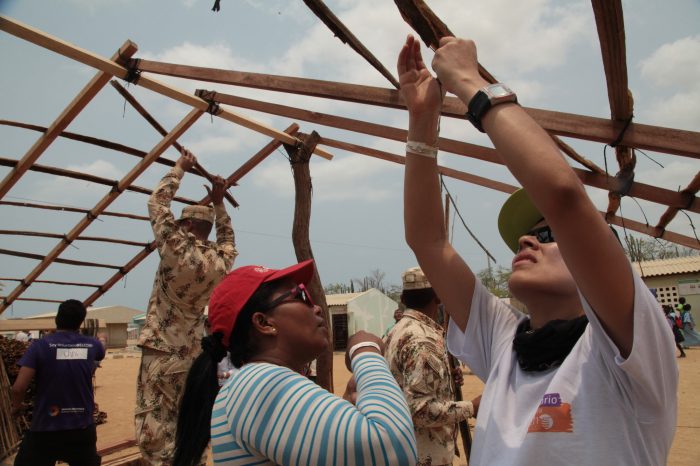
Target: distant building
pixel 669 279
pixel 113 322
pixel 371 311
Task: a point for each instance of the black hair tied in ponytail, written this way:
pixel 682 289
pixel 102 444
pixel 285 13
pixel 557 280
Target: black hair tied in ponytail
pixel 193 422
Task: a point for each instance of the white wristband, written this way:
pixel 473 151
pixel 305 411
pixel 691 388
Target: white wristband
pixel 362 344
pixel 421 148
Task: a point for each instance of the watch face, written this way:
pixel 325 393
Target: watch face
pixel 499 90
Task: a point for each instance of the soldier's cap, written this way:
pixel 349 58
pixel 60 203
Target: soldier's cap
pixel 517 217
pixel 415 279
pixel 198 212
pixel 231 295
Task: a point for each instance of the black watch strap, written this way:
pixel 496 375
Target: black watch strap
pixel 477 108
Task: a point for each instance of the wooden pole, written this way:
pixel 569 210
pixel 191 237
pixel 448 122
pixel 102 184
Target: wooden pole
pixel 79 238
pixel 58 260
pixel 70 209
pixel 299 158
pixel 52 282
pixel 64 119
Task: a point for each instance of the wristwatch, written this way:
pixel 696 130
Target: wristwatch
pixel 485 98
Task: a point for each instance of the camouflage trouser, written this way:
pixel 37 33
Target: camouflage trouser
pixel 159 388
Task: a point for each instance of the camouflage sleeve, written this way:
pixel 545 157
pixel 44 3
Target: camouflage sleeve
pixel 225 239
pixel 165 229
pixel 423 379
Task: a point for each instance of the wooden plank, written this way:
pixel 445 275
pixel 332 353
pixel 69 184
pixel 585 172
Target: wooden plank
pixel 79 238
pixel 343 33
pixel 690 191
pixel 506 188
pixel 70 209
pixel 52 282
pixel 235 176
pixel 39 257
pixel 64 119
pixel 110 67
pixel 602 181
pixel 126 180
pixel 640 136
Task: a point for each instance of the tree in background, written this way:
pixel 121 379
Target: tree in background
pixel 495 280
pixel 640 249
pixel 375 279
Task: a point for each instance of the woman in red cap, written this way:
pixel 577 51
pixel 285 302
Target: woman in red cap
pixel 267 412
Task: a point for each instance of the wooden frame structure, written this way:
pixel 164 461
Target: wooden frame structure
pixel 619 131
pixel 611 32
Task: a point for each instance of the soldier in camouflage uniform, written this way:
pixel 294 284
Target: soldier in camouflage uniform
pixel 417 357
pixel 189 269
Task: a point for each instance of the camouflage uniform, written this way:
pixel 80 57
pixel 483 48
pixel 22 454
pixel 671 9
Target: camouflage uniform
pixel 188 271
pixel 415 351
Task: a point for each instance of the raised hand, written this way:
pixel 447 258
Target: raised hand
pixel 217 191
pixel 420 90
pixel 186 160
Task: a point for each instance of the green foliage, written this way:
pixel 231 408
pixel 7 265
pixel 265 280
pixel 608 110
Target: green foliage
pixel 495 280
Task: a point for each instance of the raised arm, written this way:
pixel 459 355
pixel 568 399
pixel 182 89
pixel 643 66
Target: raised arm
pixel 590 250
pixel 423 217
pixel 225 238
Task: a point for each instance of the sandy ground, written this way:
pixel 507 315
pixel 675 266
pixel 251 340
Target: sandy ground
pixel 116 380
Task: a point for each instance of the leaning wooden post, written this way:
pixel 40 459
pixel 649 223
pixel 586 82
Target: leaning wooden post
pixel 299 158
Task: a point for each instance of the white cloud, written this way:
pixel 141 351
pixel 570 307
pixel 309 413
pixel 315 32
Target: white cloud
pixel 342 179
pixel 68 190
pixel 674 71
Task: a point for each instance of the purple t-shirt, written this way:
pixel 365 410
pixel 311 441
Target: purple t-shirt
pixel 64 364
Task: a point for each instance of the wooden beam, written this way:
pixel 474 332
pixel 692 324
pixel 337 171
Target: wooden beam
pixel 199 169
pixel 64 119
pixel 653 138
pixel 110 67
pixel 70 209
pixel 52 282
pixel 506 188
pixel 79 238
pixel 102 205
pixel 598 180
pixel 690 191
pixel 346 37
pixel 87 177
pixel 39 257
pixel 234 178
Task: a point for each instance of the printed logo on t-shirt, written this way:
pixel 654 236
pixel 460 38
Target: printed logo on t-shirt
pixel 71 353
pixel 552 415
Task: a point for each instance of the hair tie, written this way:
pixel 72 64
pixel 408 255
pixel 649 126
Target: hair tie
pixel 214 347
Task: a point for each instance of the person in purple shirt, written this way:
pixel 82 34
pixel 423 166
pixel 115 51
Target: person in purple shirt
pixel 63 427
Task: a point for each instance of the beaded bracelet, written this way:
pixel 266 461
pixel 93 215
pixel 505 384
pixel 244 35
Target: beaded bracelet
pixel 362 344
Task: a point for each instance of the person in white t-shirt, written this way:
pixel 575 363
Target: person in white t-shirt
pixel 589 376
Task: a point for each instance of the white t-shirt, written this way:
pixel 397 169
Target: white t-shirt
pixel 597 408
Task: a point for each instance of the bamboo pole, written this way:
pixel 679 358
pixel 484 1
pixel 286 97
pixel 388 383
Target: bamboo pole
pixel 64 119
pixel 79 238
pixel 58 260
pixel 234 178
pixel 52 282
pixel 110 67
pixel 126 181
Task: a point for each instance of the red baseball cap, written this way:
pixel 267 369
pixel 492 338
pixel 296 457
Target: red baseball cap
pixel 234 291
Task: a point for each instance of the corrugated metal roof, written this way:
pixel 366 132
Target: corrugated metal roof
pixel 678 265
pixel 342 299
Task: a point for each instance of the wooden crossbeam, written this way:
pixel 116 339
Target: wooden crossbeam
pixel 70 209
pixel 39 257
pixel 42 234
pixel 666 140
pixel 343 33
pixel 52 282
pixel 595 179
pixel 87 177
pixel 508 189
pixel 126 181
pixel 261 155
pixel 64 119
pixel 110 67
pixel 690 191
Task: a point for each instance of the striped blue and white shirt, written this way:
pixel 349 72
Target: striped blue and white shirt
pixel 268 414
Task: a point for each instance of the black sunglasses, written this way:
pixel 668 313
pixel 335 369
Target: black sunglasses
pixel 298 293
pixel 543 234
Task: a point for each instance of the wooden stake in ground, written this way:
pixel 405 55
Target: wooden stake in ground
pixel 299 158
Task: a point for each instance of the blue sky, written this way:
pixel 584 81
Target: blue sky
pixel 546 50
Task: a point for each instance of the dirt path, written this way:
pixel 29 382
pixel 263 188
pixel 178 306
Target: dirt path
pixel 116 394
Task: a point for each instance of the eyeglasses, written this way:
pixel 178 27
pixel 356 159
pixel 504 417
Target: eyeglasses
pixel 543 234
pixel 298 293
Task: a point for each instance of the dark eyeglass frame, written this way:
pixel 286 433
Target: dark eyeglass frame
pixel 543 234
pixel 298 293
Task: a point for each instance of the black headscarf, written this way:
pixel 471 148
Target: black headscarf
pixel 548 346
